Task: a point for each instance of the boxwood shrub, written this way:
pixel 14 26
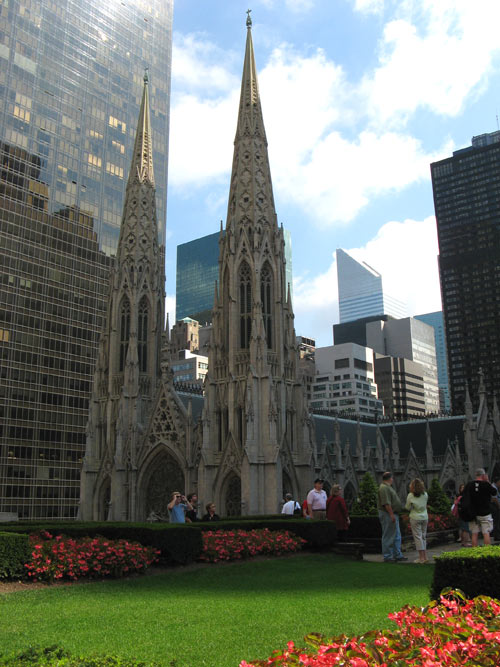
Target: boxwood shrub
pixel 56 656
pixel 14 553
pixel 178 544
pixel 475 571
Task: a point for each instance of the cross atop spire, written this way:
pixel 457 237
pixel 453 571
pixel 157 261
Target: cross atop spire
pixel 249 20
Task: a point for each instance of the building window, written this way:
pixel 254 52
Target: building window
pixel 266 299
pixel 142 336
pixel 124 331
pixel 245 294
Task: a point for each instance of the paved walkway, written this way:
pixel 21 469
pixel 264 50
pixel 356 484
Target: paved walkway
pixel 412 555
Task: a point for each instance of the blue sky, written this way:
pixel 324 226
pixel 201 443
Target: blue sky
pixel 359 97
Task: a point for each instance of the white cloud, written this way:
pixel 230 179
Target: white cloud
pixel 369 6
pixel 198 63
pixel 405 253
pixel 434 56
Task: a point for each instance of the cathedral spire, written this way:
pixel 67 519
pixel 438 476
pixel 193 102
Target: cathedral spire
pixel 251 201
pixel 142 160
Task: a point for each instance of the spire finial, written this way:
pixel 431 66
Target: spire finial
pixel 146 75
pixel 249 20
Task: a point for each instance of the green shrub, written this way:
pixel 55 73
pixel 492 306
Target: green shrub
pixel 14 553
pixel 318 534
pixel 177 544
pixel 438 501
pixel 366 502
pixel 475 571
pixel 57 656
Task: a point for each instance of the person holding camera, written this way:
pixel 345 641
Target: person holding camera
pixel 177 507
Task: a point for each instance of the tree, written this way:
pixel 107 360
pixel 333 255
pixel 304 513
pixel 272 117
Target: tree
pixel 366 502
pixel 438 501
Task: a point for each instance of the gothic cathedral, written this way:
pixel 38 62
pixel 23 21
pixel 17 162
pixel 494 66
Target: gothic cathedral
pixel 253 440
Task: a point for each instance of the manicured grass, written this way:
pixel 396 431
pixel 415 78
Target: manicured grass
pixel 215 615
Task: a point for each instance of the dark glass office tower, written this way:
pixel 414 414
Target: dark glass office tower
pixel 467 203
pixel 71 80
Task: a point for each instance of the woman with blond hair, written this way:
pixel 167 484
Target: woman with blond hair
pixel 416 502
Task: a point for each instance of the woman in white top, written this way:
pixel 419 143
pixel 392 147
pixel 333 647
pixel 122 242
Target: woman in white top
pixel 416 502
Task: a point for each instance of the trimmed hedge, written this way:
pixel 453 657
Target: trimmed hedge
pixel 14 552
pixel 475 571
pixel 177 544
pixel 318 534
pixel 56 656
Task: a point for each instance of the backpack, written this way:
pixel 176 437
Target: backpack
pixel 465 510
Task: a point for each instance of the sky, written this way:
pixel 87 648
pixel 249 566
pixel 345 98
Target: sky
pixel 358 97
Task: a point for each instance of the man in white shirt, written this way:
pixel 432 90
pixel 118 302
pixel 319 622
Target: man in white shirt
pixel 290 505
pixel 316 501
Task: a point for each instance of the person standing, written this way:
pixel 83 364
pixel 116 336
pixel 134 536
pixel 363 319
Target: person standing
pixel 495 512
pixel 290 505
pixel 336 510
pixel 480 493
pixel 316 501
pixel 416 502
pixel 192 515
pixel 210 515
pixel 463 526
pixel 389 507
pixel 177 507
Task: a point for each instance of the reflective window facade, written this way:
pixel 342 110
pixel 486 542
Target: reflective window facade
pixel 71 79
pixel 435 320
pixel 198 271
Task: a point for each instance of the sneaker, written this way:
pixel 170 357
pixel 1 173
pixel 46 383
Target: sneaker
pixel 417 560
pixel 401 559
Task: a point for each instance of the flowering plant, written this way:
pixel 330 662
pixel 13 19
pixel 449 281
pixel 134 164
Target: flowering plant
pixel 236 544
pixel 436 523
pixel 452 631
pixel 64 557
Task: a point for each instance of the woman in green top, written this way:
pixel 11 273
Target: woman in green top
pixel 416 502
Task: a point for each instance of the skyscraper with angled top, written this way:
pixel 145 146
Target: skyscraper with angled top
pixel 361 293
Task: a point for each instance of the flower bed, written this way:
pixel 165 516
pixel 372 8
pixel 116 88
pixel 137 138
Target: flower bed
pixel 68 558
pixel 237 544
pixel 453 631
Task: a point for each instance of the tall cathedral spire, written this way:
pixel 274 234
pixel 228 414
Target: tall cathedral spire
pixel 257 424
pixel 128 367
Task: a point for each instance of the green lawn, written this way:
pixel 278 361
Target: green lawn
pixel 215 615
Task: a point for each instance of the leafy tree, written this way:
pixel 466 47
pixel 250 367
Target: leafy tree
pixel 438 501
pixel 366 502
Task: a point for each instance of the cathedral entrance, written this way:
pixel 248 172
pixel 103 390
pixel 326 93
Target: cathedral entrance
pixel 232 496
pixel 164 476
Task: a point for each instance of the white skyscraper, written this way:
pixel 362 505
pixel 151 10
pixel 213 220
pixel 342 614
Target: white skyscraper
pixel 361 293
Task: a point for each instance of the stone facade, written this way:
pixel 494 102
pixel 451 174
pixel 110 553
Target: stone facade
pixel 250 439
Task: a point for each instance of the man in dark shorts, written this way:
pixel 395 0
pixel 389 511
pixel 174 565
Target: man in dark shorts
pixel 481 493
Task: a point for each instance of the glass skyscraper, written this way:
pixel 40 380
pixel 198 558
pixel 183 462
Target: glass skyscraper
pixel 436 321
pixel 360 291
pixel 198 271
pixel 71 79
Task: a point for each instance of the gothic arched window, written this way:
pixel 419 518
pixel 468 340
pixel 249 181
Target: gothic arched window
pixel 142 336
pixel 266 291
pixel 245 296
pixel 124 331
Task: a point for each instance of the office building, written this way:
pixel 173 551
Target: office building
pixel 435 320
pixel 198 271
pixel 185 335
pixel 189 368
pixel 413 340
pixel 401 387
pixel 71 79
pixel 361 293
pixel 466 190
pixel 345 381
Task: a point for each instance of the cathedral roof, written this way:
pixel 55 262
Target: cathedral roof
pixel 142 160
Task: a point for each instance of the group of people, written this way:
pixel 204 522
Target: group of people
pixel 182 509
pixel 318 505
pixel 483 503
